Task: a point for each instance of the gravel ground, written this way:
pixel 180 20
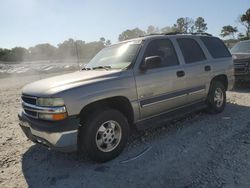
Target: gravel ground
pixel 200 150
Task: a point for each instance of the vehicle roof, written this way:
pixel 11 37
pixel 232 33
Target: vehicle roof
pixel 162 35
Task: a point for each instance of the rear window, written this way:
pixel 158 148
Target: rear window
pixel 191 50
pixel 216 47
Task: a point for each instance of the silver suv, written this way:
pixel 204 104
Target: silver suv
pixel 136 83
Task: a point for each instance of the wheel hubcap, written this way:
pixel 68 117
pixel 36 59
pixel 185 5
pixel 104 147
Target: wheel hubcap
pixel 108 136
pixel 218 97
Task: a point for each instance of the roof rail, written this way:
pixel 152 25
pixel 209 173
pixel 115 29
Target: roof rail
pixel 202 33
pixel 169 33
pixel 150 34
pixel 178 33
pixel 173 33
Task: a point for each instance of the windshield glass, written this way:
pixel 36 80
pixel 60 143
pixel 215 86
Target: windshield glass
pixel 241 47
pixel 117 56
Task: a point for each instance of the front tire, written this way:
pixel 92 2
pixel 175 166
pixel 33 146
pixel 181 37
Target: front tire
pixel 104 135
pixel 216 97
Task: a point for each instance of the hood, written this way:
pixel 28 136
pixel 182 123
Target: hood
pixel 241 56
pixel 54 85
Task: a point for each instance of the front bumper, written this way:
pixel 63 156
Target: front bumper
pixel 58 135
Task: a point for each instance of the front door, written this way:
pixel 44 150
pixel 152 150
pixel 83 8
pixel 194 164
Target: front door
pixel 161 87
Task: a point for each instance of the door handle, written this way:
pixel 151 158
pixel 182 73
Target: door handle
pixel 180 73
pixel 207 68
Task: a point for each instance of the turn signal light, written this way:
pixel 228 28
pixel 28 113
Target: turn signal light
pixel 53 117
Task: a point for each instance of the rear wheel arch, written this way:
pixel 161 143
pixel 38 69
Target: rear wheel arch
pixel 220 78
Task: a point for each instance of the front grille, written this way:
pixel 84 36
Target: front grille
pixel 29 99
pixel 32 110
pixel 241 68
pixel 32 101
pixel 30 113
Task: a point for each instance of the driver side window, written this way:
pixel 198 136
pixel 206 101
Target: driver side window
pixel 165 50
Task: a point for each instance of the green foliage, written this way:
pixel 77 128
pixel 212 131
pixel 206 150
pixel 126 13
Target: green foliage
pixel 130 34
pixel 105 42
pixel 200 25
pixel 16 54
pixel 42 52
pixel 69 49
pixel 245 21
pixel 228 30
pixel 184 25
pixel 168 29
pixel 152 29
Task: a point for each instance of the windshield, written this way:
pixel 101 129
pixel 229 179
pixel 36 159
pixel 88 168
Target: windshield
pixel 241 47
pixel 117 56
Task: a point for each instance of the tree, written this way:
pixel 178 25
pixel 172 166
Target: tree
pixel 67 49
pixel 107 43
pixel 102 39
pixel 5 54
pixel 42 52
pixel 152 29
pixel 245 21
pixel 228 30
pixel 200 25
pixel 16 54
pixel 184 25
pixel 130 34
pixel 179 26
pixel 168 29
pixel 188 24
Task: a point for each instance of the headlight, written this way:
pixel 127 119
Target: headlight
pixel 50 102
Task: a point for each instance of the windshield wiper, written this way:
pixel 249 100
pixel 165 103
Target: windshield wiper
pixel 102 67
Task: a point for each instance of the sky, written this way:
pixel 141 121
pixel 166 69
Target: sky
pixel 29 22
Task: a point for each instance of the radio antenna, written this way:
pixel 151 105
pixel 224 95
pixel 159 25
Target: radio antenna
pixel 77 55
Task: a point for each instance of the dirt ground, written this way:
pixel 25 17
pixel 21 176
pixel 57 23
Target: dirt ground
pixel 201 150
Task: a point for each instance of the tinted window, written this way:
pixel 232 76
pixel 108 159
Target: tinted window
pixel 191 50
pixel 216 47
pixel 163 48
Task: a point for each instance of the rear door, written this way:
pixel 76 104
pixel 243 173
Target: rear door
pixel 197 68
pixel 160 88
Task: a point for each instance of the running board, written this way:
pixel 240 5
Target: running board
pixel 166 117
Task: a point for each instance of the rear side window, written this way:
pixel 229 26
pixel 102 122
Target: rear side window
pixel 191 50
pixel 216 47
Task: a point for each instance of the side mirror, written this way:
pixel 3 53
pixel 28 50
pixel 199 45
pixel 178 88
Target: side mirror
pixel 151 62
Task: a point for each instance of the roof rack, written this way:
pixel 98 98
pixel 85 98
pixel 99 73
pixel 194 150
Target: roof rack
pixel 178 33
pixel 174 33
pixel 202 33
pixel 150 34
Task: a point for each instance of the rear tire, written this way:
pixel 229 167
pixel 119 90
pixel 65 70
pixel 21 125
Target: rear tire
pixel 104 135
pixel 216 97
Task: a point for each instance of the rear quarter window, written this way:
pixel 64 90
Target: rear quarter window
pixel 216 47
